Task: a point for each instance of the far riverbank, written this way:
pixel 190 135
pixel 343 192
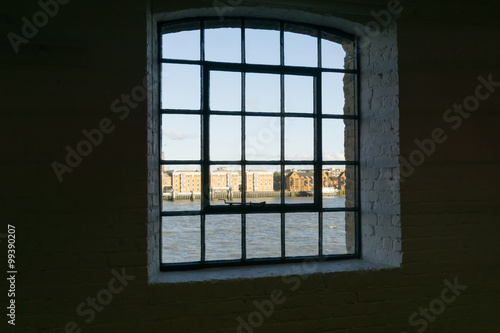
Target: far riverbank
pixel 169 196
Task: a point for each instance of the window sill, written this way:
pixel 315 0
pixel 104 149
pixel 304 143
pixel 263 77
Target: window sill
pixel 264 271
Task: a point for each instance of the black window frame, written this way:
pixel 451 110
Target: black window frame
pixel 204 112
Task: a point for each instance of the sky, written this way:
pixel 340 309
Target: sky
pixel 181 90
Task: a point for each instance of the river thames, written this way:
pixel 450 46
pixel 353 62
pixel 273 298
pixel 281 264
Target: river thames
pixel 181 240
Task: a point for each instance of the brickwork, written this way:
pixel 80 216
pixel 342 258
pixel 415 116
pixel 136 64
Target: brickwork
pixel 380 195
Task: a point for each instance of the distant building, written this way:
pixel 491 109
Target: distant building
pixel 303 180
pixel 166 182
pixel 185 180
pixel 259 180
pixel 221 179
pixel 331 178
pixel 299 180
pixel 333 172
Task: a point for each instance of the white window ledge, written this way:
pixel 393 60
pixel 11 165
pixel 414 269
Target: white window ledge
pixel 264 271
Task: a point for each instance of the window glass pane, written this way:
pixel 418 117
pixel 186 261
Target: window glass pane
pixel 225 185
pixel 181 239
pixel 262 46
pixel 181 137
pixel 299 184
pixel 336 52
pixel 263 184
pixel 334 134
pixel 339 186
pixel 225 138
pixel 180 86
pixel 262 92
pixel 339 139
pixel 181 41
pixel 299 94
pixel 299 139
pixel 223 41
pixel 263 235
pixel 181 188
pixel 260 183
pixel 225 91
pixel 301 234
pixel 263 138
pixel 330 183
pixel 334 235
pixel 301 46
pixel 222 237
pixel 338 93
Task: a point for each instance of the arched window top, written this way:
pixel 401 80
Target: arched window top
pixel 258 41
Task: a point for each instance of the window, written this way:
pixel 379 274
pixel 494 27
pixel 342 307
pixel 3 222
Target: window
pixel 242 100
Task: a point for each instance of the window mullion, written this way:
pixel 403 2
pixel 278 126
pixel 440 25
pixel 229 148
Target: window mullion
pixel 282 137
pixel 205 137
pixel 318 110
pixel 243 146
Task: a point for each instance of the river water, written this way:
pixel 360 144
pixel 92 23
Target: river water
pixel 181 240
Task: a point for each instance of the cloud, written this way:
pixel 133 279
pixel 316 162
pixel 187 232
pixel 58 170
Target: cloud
pixel 326 157
pixel 178 135
pixel 293 156
pixel 334 156
pixel 252 154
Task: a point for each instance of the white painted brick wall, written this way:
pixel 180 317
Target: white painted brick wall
pixel 380 201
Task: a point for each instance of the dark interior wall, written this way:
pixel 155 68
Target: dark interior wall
pixel 450 203
pixel 76 236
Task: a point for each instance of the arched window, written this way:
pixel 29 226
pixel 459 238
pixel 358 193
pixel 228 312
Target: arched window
pixel 252 96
